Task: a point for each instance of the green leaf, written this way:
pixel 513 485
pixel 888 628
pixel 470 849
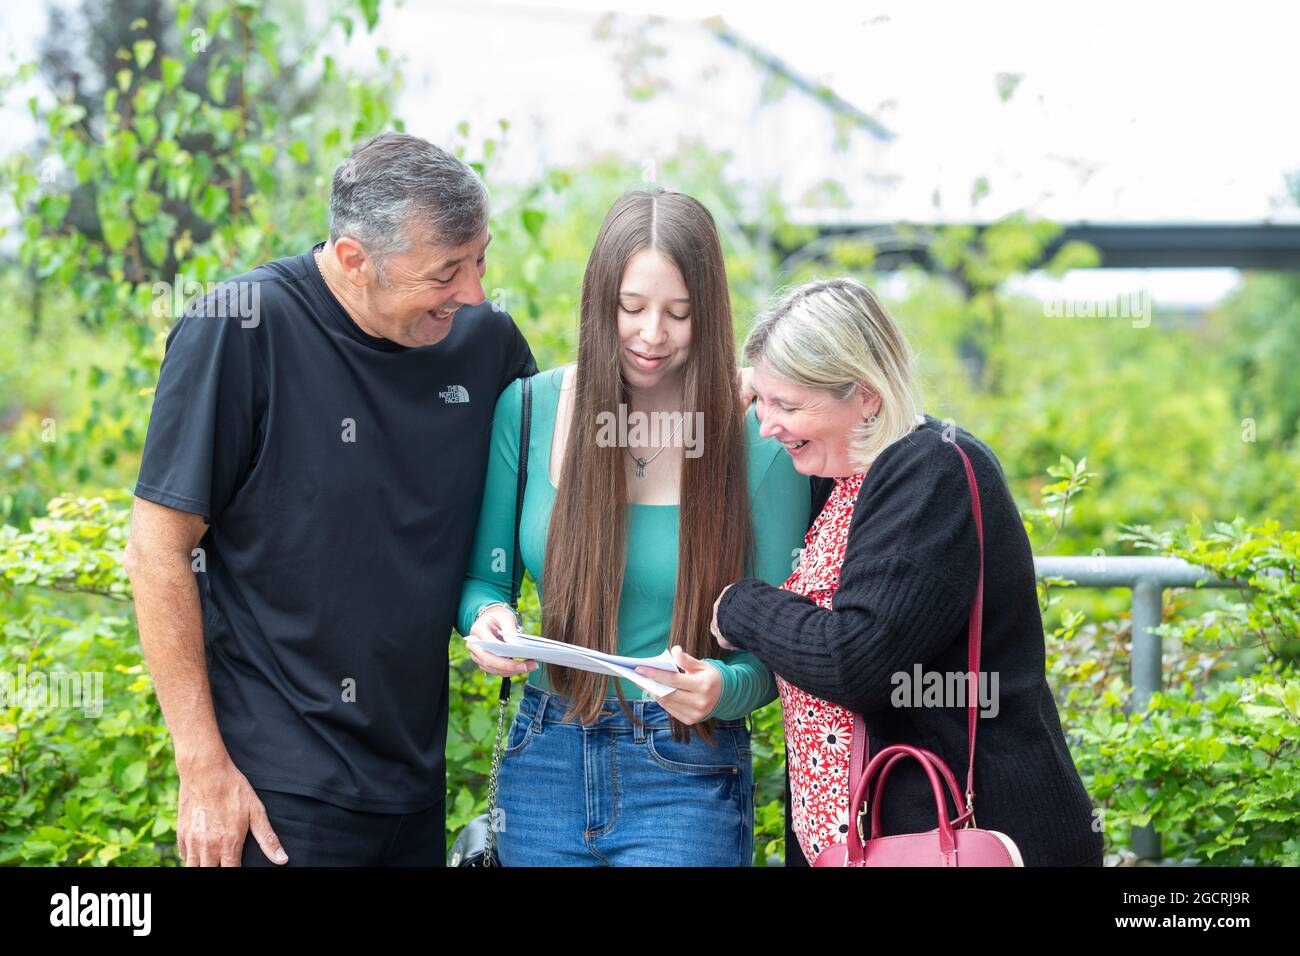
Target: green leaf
pixel 65 115
pixel 147 127
pixel 533 221
pixel 147 96
pixel 144 50
pixel 217 82
pixel 53 209
pixel 118 232
pixel 369 10
pixel 173 71
pixel 213 203
pixel 155 248
pixel 133 777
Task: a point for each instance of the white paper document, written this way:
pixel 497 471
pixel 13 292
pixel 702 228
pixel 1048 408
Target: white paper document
pixel 547 651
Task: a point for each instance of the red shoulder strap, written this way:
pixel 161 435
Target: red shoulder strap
pixel 974 631
pixel 860 752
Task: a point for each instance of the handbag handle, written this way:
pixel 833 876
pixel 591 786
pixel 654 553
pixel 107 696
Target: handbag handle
pixel 947 839
pixel 944 772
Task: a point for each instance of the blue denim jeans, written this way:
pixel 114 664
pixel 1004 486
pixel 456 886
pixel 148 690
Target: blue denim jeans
pixel 621 794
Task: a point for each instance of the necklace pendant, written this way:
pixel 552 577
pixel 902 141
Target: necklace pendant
pixel 640 466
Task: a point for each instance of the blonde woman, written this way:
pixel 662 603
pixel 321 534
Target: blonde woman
pixel 882 593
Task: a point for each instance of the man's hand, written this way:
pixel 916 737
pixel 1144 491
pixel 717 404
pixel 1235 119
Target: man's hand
pixel 216 804
pixel 697 691
pixel 217 809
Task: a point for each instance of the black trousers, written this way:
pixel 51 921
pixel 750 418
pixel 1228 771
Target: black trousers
pixel 316 833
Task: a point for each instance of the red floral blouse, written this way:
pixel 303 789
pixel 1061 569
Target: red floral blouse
pixel 819 734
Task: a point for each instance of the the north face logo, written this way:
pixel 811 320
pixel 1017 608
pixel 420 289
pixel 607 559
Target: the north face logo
pixel 454 395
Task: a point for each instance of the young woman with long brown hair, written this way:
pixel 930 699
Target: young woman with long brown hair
pixel 631 534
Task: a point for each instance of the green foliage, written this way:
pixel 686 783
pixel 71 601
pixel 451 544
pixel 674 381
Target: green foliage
pixel 1211 761
pixel 1071 480
pixel 76 547
pixel 1263 559
pixel 1214 769
pixel 230 162
pixel 1262 351
pixel 768 745
pixel 86 777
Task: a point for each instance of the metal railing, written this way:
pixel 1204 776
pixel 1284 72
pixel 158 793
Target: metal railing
pixel 1148 578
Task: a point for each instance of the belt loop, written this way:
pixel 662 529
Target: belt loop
pixel 638 721
pixel 541 709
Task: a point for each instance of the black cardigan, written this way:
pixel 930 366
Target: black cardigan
pixel 909 574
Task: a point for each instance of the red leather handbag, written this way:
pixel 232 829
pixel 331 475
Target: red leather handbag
pixel 955 842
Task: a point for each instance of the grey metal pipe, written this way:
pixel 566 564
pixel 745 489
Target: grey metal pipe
pixel 1103 571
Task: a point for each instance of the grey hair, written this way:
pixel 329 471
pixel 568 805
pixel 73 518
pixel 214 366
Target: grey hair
pixel 834 335
pixel 396 189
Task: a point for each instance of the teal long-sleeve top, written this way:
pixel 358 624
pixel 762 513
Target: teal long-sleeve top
pixel 780 502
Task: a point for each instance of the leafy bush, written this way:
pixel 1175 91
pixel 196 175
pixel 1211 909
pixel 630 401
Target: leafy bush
pixel 86 776
pixel 1212 760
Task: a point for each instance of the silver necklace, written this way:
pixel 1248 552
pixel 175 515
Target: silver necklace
pixel 642 462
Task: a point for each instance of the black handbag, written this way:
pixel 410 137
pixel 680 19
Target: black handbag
pixel 476 844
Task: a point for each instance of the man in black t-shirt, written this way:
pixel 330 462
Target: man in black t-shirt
pixel 303 517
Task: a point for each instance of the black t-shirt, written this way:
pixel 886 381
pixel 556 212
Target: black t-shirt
pixel 341 476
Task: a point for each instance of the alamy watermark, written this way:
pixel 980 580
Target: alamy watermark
pixel 129 910
pixel 1135 306
pixel 921 688
pixel 234 299
pixel 651 430
pixel 38 690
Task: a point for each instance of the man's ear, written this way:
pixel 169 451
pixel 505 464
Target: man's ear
pixel 357 266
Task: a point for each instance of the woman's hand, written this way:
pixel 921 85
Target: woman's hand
pixel 713 627
pixel 493 624
pixel 745 384
pixel 697 691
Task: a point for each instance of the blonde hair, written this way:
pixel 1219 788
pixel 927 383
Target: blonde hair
pixel 834 335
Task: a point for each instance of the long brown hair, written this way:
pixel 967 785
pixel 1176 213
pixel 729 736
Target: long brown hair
pixel 586 545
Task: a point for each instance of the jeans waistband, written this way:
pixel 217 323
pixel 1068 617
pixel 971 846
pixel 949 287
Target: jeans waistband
pixel 552 708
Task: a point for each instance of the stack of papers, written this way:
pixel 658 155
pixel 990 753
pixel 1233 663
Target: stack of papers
pixel 547 651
